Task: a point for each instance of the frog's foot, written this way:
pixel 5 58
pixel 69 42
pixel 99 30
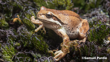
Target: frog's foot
pixel 39 23
pixel 59 54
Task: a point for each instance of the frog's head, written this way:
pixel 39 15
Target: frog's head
pixel 48 15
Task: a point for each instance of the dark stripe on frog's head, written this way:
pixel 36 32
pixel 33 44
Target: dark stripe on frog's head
pixel 56 19
pixel 50 15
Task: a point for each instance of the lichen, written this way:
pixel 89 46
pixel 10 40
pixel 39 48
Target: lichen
pixel 46 59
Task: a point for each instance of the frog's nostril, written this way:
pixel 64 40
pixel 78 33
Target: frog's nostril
pixel 39 15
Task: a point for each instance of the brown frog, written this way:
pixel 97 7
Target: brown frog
pixel 65 23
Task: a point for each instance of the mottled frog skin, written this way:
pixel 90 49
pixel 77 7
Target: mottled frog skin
pixel 65 23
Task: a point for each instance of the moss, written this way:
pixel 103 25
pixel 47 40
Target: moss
pixel 55 4
pixel 18 43
pixel 8 52
pixel 28 24
pixel 87 5
pixel 108 50
pixel 0 45
pixel 40 44
pixel 24 36
pixel 99 24
pixel 63 4
pixel 23 40
pixel 98 32
pixel 3 23
pixel 30 40
pixel 17 6
pixel 40 3
pixel 23 57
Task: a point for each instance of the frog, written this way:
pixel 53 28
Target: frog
pixel 65 23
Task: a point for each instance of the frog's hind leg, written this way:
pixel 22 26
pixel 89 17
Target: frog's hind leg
pixel 39 23
pixel 65 44
pixel 84 28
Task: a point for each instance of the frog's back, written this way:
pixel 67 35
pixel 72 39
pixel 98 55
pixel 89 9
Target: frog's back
pixel 64 12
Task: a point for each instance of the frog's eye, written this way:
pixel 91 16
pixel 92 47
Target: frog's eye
pixel 48 15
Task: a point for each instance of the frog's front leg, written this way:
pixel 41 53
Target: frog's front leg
pixel 65 44
pixel 39 23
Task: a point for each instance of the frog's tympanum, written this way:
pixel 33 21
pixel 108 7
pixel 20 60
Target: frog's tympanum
pixel 64 23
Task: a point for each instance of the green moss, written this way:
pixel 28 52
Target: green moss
pixel 55 4
pixel 86 5
pixel 29 40
pixel 98 32
pixel 22 57
pixel 24 36
pixel 17 44
pixel 3 23
pixel 8 52
pixel 108 50
pixel 63 4
pixel 28 24
pixel 17 5
pixel 22 45
pixel 40 3
pixel 0 45
pixel 40 44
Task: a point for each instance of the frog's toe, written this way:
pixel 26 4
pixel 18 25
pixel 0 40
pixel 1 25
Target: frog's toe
pixel 44 30
pixel 57 52
pixel 58 55
pixel 32 17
